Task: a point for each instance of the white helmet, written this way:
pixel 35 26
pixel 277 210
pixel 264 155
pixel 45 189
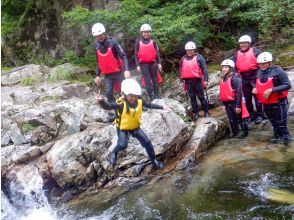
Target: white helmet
pixel 130 86
pixel 228 63
pixel 245 38
pixel 190 46
pixel 264 57
pixel 98 29
pixel 145 27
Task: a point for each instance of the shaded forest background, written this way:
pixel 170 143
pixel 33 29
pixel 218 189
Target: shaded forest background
pixel 53 32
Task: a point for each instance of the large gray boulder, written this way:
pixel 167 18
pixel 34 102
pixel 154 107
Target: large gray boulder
pixel 83 157
pixel 207 132
pixel 16 75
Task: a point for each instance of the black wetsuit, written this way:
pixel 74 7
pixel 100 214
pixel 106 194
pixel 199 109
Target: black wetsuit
pixel 277 113
pixel 123 135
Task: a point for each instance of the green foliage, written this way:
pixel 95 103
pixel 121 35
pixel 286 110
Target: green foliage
pixel 213 67
pixel 210 23
pixel 60 74
pixel 29 81
pixel 27 127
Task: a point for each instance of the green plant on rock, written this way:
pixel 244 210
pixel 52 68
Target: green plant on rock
pixel 30 81
pixel 27 127
pixel 60 74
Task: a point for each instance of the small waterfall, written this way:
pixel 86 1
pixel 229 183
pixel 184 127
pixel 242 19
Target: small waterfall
pixel 26 198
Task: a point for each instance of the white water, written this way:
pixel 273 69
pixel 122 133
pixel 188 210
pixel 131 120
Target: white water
pixel 27 198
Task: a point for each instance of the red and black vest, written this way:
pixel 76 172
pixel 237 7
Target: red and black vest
pixel 107 63
pixel 226 93
pixel 190 69
pixel 274 97
pixel 246 61
pixel 146 52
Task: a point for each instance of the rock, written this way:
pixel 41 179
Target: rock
pixel 69 159
pixel 173 104
pixel 63 160
pixel 16 75
pixel 214 79
pixel 207 132
pixel 175 91
pixel 66 91
pixel 291 108
pixel 66 71
pixel 10 133
pixel 135 170
pixel 17 154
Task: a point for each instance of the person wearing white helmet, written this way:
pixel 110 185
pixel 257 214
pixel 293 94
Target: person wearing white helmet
pixel 148 61
pixel 194 74
pixel 128 119
pixel 232 98
pixel 111 61
pixel 246 65
pixel 272 85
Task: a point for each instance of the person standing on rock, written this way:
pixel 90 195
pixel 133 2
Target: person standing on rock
pixel 194 73
pixel 129 110
pixel 246 65
pixel 272 85
pixel 111 61
pixel 147 60
pixel 232 99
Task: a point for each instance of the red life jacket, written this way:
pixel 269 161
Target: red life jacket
pixel 226 93
pixel 146 52
pixel 107 63
pixel 244 111
pixel 246 61
pixel 190 69
pixel 274 97
pixel 159 79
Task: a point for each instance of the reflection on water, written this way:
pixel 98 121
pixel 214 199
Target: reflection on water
pixel 237 179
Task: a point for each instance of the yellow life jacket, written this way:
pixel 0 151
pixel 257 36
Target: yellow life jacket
pixel 129 120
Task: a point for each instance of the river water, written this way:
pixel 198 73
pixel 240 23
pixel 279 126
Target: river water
pixel 236 179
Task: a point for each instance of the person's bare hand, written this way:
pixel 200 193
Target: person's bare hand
pixel 127 74
pixel 159 67
pixel 97 80
pixel 238 110
pixel 267 93
pixel 98 96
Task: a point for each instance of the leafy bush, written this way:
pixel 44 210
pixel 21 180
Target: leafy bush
pixel 210 23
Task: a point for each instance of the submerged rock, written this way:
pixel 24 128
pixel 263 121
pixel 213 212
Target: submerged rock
pixel 281 196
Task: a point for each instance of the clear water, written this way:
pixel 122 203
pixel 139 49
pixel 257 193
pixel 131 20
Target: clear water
pixel 232 181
